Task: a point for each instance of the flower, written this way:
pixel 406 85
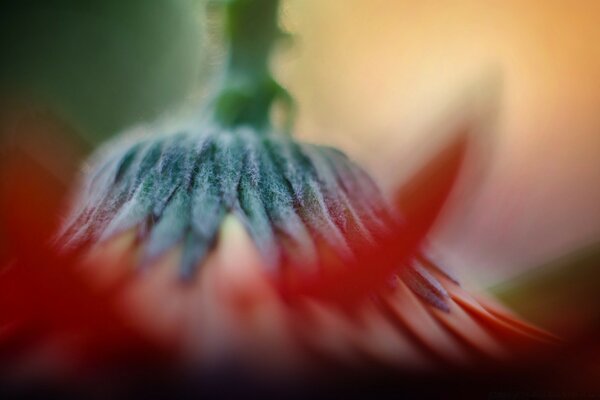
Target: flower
pixel 240 244
pixel 244 208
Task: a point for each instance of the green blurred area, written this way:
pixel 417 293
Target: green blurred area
pixel 102 65
pixel 562 295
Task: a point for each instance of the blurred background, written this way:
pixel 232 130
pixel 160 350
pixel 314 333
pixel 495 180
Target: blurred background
pixel 383 80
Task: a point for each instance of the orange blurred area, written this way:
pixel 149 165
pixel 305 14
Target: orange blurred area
pixel 384 79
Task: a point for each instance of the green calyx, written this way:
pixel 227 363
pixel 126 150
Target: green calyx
pixel 248 90
pixel 176 187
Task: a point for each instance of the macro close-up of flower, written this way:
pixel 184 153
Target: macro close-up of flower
pixel 201 198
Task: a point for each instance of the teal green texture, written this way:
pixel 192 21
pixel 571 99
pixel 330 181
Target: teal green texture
pixel 175 186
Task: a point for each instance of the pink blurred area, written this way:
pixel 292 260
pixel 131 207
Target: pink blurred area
pixel 385 80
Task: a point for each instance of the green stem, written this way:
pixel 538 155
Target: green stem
pixel 249 89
